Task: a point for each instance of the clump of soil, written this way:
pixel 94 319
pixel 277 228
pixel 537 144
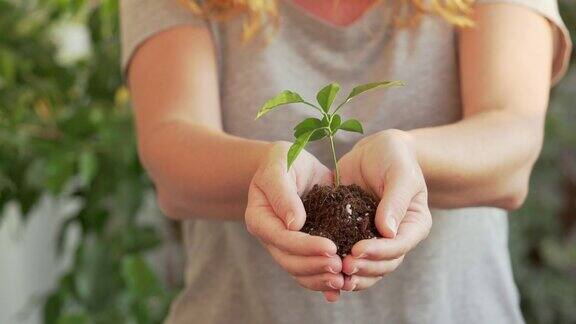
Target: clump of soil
pixel 344 214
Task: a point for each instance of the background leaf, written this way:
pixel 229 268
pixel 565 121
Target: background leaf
pixel 327 95
pixel 88 166
pixel 74 318
pixel 283 98
pixel 65 121
pixel 352 125
pixel 140 279
pixel 52 308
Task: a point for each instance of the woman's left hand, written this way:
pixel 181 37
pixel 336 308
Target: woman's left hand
pixel 385 164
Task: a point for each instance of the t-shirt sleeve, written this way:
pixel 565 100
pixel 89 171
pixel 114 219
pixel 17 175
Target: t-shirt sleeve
pixel 562 42
pixel 142 19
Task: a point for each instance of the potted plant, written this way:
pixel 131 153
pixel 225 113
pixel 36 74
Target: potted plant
pixel 343 213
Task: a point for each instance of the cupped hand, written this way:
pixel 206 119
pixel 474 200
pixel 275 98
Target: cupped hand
pixel 275 214
pixel 386 165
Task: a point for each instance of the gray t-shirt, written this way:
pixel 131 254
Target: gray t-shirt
pixel 460 274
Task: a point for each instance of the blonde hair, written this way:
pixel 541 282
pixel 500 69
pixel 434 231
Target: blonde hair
pixel 262 15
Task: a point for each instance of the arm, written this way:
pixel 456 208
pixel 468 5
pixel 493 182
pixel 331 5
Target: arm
pixel 483 160
pixel 198 170
pixel 486 159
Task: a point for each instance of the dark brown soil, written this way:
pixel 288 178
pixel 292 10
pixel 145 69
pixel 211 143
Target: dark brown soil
pixel 344 214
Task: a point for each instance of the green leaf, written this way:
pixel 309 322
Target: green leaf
pixel 325 122
pixel 93 258
pixel 327 95
pixel 320 134
pixel 140 238
pixel 374 85
pixel 307 125
pixel 59 169
pixel 52 308
pixel 283 98
pixel 74 318
pixel 310 124
pixel 139 278
pixel 352 125
pixel 335 123
pixel 88 166
pixel 298 146
pixel 8 66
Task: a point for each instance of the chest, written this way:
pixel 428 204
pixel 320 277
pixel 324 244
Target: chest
pixel 306 54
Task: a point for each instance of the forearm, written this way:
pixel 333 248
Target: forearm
pixel 199 171
pixel 483 160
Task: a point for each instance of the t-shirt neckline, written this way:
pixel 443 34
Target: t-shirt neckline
pixel 359 23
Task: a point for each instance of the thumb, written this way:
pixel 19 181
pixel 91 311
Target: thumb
pixel 394 203
pixel 278 188
pixel 350 172
pixel 282 196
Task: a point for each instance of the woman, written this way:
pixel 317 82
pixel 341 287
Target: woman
pixel 461 137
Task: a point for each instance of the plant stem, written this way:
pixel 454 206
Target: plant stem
pixel 335 160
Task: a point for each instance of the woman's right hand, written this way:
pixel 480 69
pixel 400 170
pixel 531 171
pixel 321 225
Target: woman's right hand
pixel 275 214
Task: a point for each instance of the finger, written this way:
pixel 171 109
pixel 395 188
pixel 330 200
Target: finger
pixel 321 282
pixel 305 265
pixel 321 175
pixel 273 187
pixel 400 187
pixel 365 140
pixel 263 223
pixel 332 296
pixel 356 283
pixel 369 268
pixel 350 173
pixel 412 230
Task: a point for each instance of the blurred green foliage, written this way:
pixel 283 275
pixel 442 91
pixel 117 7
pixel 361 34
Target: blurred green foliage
pixel 65 128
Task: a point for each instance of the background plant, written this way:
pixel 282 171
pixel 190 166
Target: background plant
pixel 313 129
pixel 65 126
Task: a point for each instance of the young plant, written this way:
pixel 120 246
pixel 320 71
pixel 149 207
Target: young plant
pixel 313 129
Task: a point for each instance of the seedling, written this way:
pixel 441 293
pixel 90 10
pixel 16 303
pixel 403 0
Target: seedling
pixel 313 129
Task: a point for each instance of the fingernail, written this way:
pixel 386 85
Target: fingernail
pixel 331 285
pixel 328 254
pixel 289 219
pixel 354 287
pixel 329 269
pixel 392 224
pixel 354 271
